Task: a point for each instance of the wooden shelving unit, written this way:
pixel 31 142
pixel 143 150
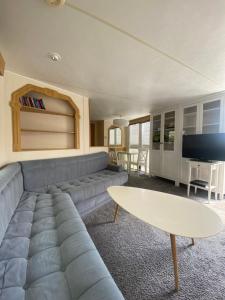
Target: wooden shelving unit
pixel 47 131
pixel 43 111
pixel 54 128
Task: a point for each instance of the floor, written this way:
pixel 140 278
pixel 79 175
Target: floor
pixel 139 256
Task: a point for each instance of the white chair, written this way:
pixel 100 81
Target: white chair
pixel 112 157
pixel 140 160
pixel 122 159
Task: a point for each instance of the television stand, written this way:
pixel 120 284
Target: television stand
pixel 211 184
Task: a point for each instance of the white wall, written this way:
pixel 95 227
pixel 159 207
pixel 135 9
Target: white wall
pixel 2 124
pixel 12 82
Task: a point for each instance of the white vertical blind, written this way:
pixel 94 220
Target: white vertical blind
pixel 115 136
pixel 145 133
pixel 134 134
pixel 111 137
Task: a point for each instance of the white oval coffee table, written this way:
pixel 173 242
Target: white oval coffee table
pixel 170 213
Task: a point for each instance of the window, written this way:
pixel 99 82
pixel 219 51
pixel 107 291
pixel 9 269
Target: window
pixel 139 137
pixel 134 134
pixel 115 137
pixel 145 133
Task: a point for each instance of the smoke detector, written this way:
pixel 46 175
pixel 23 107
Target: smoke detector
pixel 54 56
pixel 56 2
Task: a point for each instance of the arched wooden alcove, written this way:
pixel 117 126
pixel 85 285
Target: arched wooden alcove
pixel 48 125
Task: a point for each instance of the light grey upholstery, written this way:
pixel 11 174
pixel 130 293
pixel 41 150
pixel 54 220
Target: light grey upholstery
pixel 84 178
pixel 11 190
pixel 45 249
pixel 38 174
pixel 88 187
pixel 47 254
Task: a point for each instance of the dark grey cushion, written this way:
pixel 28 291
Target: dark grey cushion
pixel 47 254
pixel 38 174
pixel 11 190
pixel 90 185
pixel 115 168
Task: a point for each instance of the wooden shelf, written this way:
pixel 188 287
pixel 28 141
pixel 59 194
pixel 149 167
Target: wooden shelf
pixel 46 149
pixel 43 111
pixel 46 131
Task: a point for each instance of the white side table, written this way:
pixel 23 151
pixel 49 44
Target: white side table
pixel 211 184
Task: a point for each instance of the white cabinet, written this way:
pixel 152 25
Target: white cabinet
pixel 163 156
pixel 204 117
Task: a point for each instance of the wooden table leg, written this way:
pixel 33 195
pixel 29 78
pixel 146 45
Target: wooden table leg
pixel 174 255
pixel 116 212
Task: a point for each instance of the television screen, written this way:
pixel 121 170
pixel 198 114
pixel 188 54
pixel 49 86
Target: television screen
pixel 204 146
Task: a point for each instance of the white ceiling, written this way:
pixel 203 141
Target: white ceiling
pixel 128 56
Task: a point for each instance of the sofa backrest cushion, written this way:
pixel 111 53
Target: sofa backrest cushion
pixel 38 174
pixel 11 190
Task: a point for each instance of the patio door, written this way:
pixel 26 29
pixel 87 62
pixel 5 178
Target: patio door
pixel 139 136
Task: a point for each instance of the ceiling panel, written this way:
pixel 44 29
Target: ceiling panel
pixel 150 53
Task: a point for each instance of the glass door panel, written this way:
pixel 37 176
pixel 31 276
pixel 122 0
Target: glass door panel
pixel 190 120
pixel 211 117
pixel 156 132
pixel 169 131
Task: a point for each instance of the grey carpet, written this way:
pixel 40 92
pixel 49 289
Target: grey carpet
pixel 139 256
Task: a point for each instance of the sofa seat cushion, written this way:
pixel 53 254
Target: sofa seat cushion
pixel 90 185
pixel 47 254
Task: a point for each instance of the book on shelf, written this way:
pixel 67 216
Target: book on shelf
pixel 32 102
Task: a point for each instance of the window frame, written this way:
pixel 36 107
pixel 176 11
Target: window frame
pixel 115 136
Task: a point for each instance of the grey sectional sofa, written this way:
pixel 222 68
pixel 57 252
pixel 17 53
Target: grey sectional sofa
pixel 45 249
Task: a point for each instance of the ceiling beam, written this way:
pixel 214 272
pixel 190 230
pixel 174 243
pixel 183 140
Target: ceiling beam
pixel 2 65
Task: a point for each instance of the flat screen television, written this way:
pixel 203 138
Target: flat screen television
pixel 205 147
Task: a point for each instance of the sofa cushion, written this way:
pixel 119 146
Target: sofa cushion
pixel 38 174
pixel 47 254
pixel 90 185
pixel 11 190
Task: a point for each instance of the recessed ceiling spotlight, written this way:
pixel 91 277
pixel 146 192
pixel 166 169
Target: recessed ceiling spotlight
pixel 54 56
pixel 56 2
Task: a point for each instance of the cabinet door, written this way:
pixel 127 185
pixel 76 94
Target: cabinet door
pixel 169 159
pixel 169 131
pixel 190 120
pixel 156 132
pixel 155 154
pixel 211 118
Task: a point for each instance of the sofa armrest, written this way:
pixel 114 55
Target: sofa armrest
pixel 115 168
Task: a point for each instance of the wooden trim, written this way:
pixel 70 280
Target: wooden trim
pixel 175 264
pixel 45 149
pixel 45 131
pixel 17 108
pixel 2 65
pixel 43 111
pixel 140 120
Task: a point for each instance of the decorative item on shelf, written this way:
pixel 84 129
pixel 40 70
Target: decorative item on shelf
pixel 120 122
pixel 32 102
